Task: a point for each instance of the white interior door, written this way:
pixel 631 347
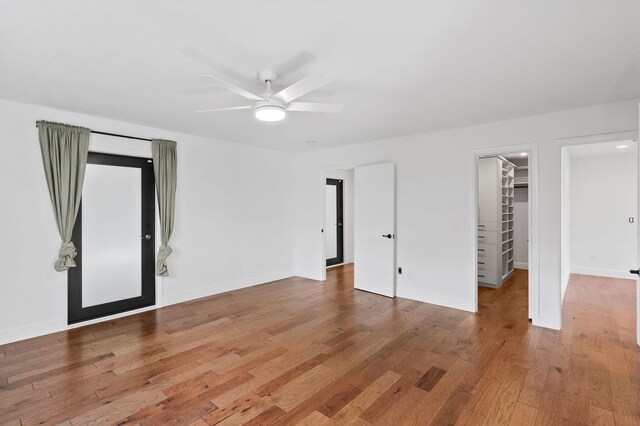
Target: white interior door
pixel 638 251
pixel 374 223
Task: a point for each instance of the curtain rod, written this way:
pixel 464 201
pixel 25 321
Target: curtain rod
pixel 118 135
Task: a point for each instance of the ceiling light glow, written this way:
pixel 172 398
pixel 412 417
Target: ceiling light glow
pixel 523 154
pixel 270 113
pixel 622 146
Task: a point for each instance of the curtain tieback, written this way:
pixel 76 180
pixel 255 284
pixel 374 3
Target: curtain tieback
pixel 65 257
pixel 163 254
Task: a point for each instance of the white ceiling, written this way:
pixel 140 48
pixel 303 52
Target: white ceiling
pixel 603 148
pixel 399 68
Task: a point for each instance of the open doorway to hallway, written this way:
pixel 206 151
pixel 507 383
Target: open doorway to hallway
pixel 338 217
pixel 503 232
pixel 600 239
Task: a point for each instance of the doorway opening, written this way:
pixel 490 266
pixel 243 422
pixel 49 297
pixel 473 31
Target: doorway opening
pixel 368 225
pixel 503 227
pixel 338 217
pixel 334 222
pixel 115 239
pixel 599 233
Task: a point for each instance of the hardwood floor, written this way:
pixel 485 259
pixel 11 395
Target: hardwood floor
pixel 300 351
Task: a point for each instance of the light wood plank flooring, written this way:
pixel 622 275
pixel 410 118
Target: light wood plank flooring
pixel 297 351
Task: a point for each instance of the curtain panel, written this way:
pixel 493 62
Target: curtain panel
pixel 165 171
pixel 64 151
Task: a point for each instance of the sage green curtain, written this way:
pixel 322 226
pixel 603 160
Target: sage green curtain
pixel 64 156
pixel 165 171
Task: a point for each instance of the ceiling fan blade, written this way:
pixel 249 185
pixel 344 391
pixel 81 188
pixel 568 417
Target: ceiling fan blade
pixel 314 107
pixel 225 109
pixel 235 89
pixel 302 87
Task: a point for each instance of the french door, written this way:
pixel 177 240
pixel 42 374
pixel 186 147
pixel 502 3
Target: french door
pixel 334 242
pixel 114 236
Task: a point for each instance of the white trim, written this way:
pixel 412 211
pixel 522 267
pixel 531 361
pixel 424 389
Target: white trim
pixel 610 273
pixel 54 326
pixel 520 265
pixel 308 274
pixel 534 226
pixel 39 329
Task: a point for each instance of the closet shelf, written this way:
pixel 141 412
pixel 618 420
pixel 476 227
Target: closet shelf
pixel 496 198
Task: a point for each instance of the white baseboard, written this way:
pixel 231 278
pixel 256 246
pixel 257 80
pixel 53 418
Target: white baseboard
pixel 222 288
pixel 308 274
pixel 22 333
pixel 10 336
pixel 609 273
pixel 421 296
pixel 520 265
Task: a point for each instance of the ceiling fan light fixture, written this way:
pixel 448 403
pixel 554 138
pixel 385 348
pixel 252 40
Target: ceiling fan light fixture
pixel 270 113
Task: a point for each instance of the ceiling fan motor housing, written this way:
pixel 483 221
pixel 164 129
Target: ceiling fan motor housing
pixel 267 75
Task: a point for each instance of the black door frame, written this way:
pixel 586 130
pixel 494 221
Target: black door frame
pixel 75 312
pixel 340 219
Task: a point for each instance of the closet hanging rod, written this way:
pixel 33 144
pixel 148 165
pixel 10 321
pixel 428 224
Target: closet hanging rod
pixel 119 135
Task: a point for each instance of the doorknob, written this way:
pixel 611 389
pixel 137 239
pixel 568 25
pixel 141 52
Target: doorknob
pixel 389 236
pixel 635 271
pixel 147 237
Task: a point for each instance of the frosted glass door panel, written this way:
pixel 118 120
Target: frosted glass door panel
pixel 331 222
pixel 111 245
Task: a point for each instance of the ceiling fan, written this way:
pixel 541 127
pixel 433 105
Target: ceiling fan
pixel 271 106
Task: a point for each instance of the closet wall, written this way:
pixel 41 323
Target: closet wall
pixel 521 214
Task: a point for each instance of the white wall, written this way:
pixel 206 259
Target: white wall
pixel 565 211
pixel 434 230
pixel 235 210
pixel 233 218
pixel 603 195
pixel 347 197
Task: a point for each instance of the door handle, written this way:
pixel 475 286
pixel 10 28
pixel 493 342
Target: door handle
pixel 146 237
pixel 389 236
pixel 635 271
